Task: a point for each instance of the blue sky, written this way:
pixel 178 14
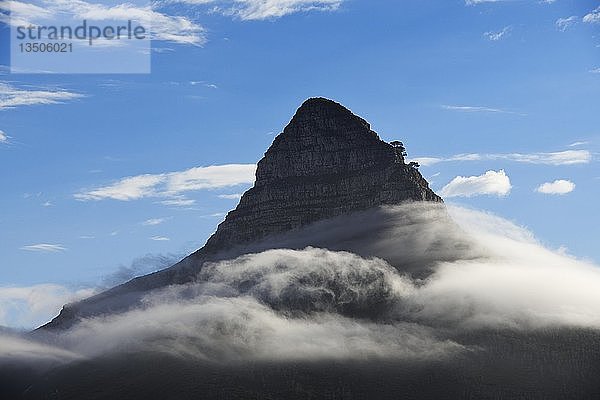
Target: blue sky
pixel 98 170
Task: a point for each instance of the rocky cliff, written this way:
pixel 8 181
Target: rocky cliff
pixel 327 163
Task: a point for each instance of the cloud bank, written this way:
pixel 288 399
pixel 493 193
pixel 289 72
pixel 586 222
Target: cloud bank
pixel 318 304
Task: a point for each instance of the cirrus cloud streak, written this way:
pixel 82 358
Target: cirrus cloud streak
pixel 173 184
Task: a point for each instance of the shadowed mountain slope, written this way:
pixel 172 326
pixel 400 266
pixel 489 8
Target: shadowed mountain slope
pixel 326 164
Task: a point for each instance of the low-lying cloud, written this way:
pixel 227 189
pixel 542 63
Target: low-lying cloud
pixel 319 304
pixel 27 306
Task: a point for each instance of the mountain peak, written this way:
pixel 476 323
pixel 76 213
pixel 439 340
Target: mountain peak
pixel 320 109
pixel 320 116
pixel 327 162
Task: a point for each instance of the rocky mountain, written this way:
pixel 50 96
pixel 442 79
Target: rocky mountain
pixel 339 275
pixel 327 163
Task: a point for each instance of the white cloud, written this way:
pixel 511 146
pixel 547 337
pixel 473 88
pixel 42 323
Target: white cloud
pixel 491 183
pixel 500 277
pixel 595 70
pixel 44 247
pixel 31 306
pixel 3 137
pixel 19 13
pixel 498 35
pixel 132 188
pixel 178 202
pixel 593 17
pixel 178 29
pixel 567 157
pixel 173 184
pixel 267 9
pixel 473 109
pixel 234 196
pixel 160 238
pixel 577 144
pixel 154 221
pixel 562 24
pixel 11 97
pixel 474 2
pixel 559 186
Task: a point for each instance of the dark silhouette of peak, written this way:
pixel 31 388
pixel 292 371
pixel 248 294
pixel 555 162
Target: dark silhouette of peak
pixel 326 163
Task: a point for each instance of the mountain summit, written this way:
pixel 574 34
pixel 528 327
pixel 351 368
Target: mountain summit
pixel 326 164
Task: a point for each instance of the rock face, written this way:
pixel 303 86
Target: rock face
pixel 327 162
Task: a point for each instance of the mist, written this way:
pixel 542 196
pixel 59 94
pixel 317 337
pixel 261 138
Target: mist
pixel 479 272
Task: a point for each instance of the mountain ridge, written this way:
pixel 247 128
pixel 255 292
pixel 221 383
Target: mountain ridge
pixel 327 163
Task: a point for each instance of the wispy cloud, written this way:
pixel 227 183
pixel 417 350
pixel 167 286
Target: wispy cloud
pixel 132 188
pixel 595 70
pixel 178 202
pixel 562 24
pixel 205 84
pixel 577 144
pixel 172 185
pixel 11 97
pixel 498 35
pixel 19 13
pixel 154 221
pixel 474 2
pixel 234 196
pixel 593 17
pixel 44 247
pixel 160 238
pixel 265 9
pixel 567 157
pixel 560 187
pixel 495 183
pixel 164 27
pixel 3 137
pixel 475 109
